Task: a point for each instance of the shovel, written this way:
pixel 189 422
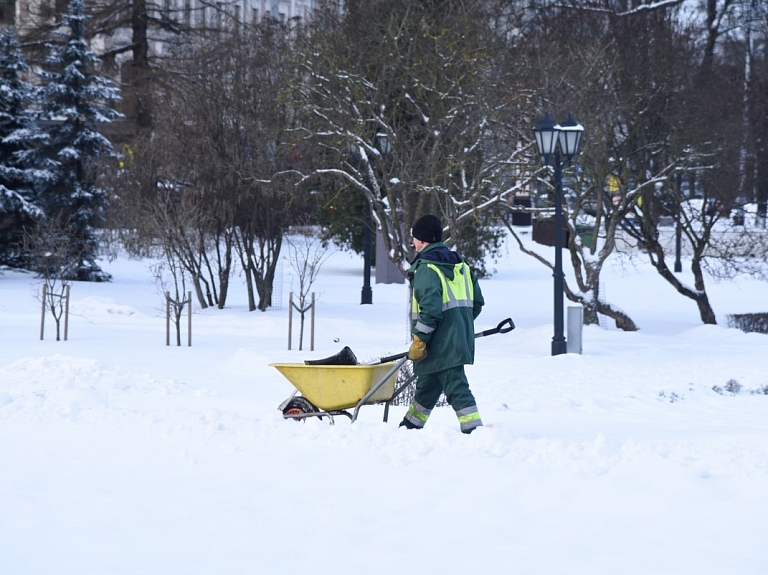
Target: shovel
pixel 346 357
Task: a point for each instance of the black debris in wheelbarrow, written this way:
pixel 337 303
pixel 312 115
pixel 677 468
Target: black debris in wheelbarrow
pixel 344 357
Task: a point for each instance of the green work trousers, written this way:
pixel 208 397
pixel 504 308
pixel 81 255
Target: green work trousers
pixel 453 382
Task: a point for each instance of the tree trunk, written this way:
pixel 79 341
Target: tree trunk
pixel 199 291
pixel 702 300
pixel 225 270
pixel 301 326
pixel 213 296
pixel 244 247
pixel 593 306
pixel 264 287
pixel 623 321
pixel 270 253
pixel 177 313
pixel 249 288
pixel 698 294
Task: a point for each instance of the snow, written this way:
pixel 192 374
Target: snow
pixel 123 456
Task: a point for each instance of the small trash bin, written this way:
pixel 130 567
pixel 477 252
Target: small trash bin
pixel 544 233
pixel 521 218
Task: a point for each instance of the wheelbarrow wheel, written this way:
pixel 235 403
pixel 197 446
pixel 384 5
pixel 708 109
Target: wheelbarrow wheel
pixel 297 407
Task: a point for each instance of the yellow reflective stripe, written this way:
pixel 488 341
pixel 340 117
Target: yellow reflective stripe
pixel 468 286
pixel 455 292
pixel 446 293
pixel 417 414
pixel 412 413
pixel 470 417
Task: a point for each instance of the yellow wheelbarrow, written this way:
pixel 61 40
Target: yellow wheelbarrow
pixel 333 389
pixel 336 384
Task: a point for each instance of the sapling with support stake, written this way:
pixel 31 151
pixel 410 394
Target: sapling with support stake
pixel 307 253
pixel 171 281
pixel 302 311
pixel 54 253
pixel 178 308
pixel 59 305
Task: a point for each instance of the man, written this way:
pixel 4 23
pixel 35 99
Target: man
pixel 446 301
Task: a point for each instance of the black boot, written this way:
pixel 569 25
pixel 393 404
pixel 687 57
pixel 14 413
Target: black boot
pixel 408 425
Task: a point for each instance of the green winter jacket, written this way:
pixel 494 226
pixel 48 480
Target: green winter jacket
pixel 446 300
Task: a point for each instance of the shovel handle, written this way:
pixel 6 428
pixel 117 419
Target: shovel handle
pixel 505 326
pixel 390 358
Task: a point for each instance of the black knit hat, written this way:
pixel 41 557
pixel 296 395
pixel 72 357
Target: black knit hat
pixel 428 229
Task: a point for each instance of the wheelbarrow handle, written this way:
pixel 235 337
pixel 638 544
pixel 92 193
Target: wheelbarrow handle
pixel 505 326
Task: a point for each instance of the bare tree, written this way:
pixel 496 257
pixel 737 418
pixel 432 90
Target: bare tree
pixel 171 280
pixel 259 239
pixel 696 130
pixel 217 147
pixel 306 253
pixel 53 253
pixel 408 110
pixel 631 76
pixel 159 214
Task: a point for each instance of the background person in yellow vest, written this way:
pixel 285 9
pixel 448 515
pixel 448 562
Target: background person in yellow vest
pixel 446 301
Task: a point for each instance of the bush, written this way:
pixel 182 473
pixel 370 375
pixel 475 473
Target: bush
pixel 749 322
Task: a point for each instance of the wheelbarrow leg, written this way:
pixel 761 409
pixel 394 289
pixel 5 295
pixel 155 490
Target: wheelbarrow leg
pixel 398 391
pixel 395 368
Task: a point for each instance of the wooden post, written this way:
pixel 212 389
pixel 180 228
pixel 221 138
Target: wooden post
pixel 167 318
pixel 42 317
pixel 189 319
pixel 312 326
pixel 66 313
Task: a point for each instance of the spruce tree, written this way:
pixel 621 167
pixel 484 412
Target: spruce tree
pixel 75 100
pixel 19 135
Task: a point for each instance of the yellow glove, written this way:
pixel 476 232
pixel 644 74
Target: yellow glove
pixel 418 349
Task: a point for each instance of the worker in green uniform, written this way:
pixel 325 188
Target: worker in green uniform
pixel 446 300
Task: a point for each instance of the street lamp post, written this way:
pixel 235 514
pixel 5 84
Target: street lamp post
pixel 366 297
pixel 678 233
pixel 367 293
pixel 551 140
pixel 678 246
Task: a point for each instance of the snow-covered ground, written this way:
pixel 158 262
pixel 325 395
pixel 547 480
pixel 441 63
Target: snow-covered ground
pixel 646 455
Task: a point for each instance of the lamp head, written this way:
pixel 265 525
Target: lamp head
pixel 546 132
pixel 570 137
